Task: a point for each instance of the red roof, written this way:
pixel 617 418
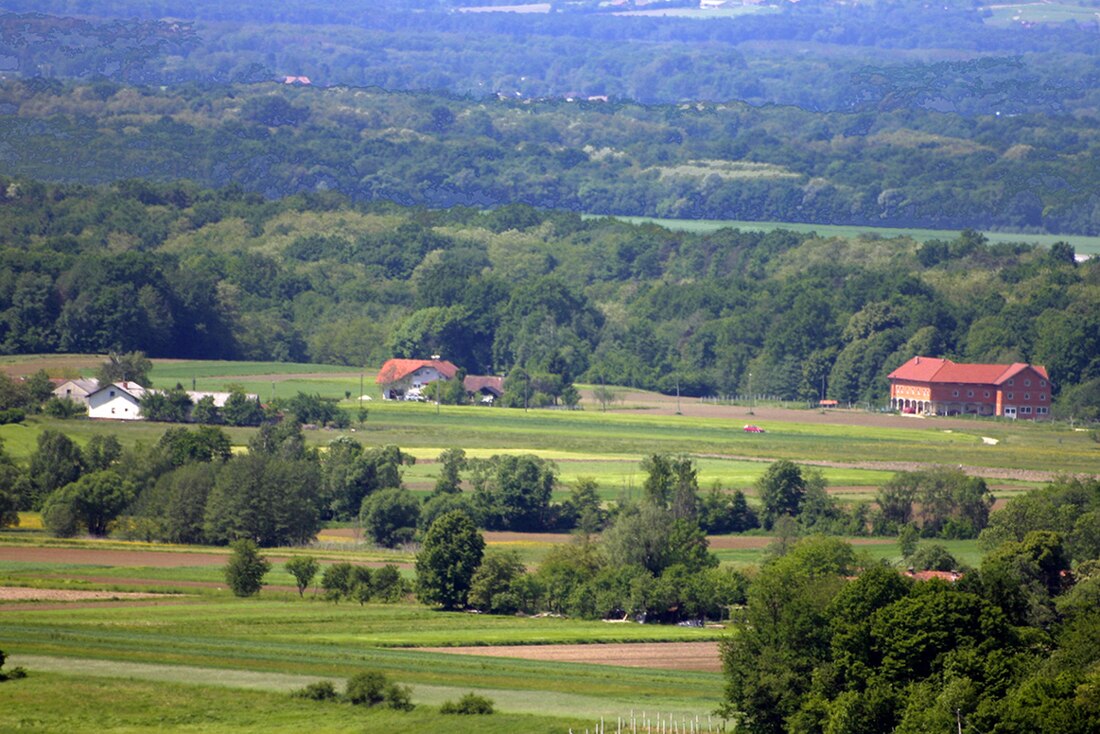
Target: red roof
pixel 477 383
pixel 930 369
pixel 398 369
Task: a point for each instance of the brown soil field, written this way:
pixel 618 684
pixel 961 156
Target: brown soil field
pixel 19 593
pixel 655 404
pixel 702 656
pixel 127 558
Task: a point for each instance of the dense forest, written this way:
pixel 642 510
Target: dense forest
pixel 1029 173
pixel 176 270
pixel 820 55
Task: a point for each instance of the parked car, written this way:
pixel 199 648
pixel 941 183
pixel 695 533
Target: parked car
pixel 754 429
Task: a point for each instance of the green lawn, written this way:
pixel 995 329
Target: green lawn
pixel 1082 243
pixel 123 698
pixel 204 638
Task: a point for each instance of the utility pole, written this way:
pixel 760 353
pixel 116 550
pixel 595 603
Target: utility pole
pixel 677 395
pixel 752 401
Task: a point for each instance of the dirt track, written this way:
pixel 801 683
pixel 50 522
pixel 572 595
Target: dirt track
pixel 702 656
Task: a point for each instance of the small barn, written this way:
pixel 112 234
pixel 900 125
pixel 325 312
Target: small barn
pixel 77 390
pixel 483 388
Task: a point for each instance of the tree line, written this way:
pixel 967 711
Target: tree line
pixel 546 298
pixel 897 167
pixel 890 53
pixel 832 642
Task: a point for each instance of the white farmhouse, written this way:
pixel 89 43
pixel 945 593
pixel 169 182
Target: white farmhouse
pixel 399 377
pixel 119 400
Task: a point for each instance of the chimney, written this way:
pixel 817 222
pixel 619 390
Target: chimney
pixel 918 360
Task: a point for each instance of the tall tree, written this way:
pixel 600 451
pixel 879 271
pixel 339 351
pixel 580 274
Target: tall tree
pixel 449 556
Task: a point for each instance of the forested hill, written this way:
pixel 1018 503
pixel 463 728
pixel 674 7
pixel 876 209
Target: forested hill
pixel 952 55
pixel 904 168
pixel 180 271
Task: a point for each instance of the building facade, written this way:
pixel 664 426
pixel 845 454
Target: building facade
pixel 932 386
pixel 399 378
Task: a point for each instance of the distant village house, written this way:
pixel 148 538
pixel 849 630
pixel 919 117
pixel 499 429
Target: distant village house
pixel 76 390
pixel 399 378
pixel 118 400
pixel 931 386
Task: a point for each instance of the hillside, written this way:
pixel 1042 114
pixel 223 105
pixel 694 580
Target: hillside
pixel 180 271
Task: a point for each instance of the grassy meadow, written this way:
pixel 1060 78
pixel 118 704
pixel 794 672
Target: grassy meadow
pixel 200 660
pixel 1083 244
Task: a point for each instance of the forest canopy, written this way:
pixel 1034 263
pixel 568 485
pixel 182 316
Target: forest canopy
pixel 176 270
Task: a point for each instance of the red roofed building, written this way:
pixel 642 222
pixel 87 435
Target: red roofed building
pixel 930 386
pixel 400 377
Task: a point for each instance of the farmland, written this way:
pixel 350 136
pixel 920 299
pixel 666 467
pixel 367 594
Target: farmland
pixel 128 660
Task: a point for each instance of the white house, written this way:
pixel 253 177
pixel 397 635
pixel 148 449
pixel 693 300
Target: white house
pixel 119 400
pixel 77 390
pixel 401 376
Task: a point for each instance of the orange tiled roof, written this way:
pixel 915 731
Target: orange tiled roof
pixel 397 369
pixel 930 369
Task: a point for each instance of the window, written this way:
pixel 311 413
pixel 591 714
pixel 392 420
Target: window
pixel 1027 396
pixel 1042 383
pixel 1008 396
pixel 111 393
pixel 1027 383
pixel 1011 382
pixel 987 393
pixel 1024 409
pixel 955 394
pixel 969 393
pixel 1042 396
pixel 1041 410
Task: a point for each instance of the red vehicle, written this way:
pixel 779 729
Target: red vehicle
pixel 753 429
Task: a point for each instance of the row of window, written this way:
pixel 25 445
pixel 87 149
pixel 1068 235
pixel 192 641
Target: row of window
pixel 1027 383
pixel 1025 410
pixel 1008 396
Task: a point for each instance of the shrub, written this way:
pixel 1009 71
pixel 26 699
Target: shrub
pixel 12 415
pixel 388 585
pixel 14 673
pixel 337 581
pixel 471 703
pixel 322 690
pixel 366 689
pixel 398 697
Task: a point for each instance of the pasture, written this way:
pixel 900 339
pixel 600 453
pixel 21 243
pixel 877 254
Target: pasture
pixel 1083 244
pixel 195 658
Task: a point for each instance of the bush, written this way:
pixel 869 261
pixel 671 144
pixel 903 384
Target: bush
pixel 398 697
pixel 366 689
pixel 13 674
pixel 322 690
pixel 337 580
pixel 471 703
pixel 11 415
pixel 388 585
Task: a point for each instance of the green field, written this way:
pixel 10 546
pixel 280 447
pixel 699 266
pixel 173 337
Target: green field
pixel 280 645
pixel 1082 244
pixel 1015 14
pixel 201 660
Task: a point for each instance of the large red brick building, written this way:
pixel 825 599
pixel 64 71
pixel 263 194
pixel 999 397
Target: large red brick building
pixel 930 386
